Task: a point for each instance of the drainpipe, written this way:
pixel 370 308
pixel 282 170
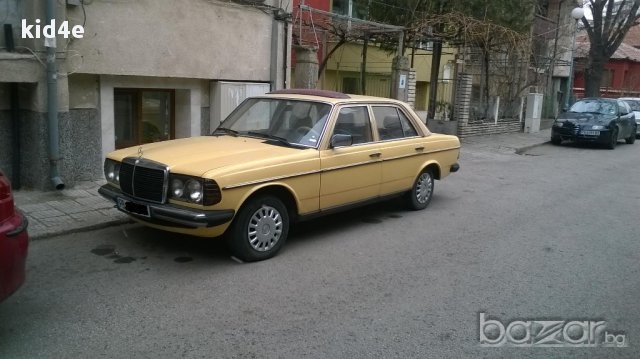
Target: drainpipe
pixel 274 52
pixel 52 102
pixel 279 16
pixel 15 114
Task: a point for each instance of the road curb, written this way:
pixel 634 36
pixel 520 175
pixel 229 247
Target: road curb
pixel 524 149
pixel 91 227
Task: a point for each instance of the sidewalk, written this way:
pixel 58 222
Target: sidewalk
pixel 72 210
pixel 81 208
pixel 508 142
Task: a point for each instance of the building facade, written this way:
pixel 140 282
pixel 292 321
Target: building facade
pixel 144 71
pixel 343 71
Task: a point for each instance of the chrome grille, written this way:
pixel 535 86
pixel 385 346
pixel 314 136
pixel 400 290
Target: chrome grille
pixel 144 179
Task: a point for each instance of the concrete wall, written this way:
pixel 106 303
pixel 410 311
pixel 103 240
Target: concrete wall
pixel 175 38
pixel 488 128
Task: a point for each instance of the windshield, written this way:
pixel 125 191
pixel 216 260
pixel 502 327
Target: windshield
pixel 634 104
pixel 282 120
pixel 595 106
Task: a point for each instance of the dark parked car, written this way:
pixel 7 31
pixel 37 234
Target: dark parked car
pixel 598 120
pixel 14 241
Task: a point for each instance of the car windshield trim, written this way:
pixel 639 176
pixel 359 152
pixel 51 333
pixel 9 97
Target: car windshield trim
pixel 278 139
pixel 226 131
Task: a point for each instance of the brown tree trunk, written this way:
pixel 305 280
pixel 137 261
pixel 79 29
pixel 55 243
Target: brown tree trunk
pixel 433 84
pixel 594 73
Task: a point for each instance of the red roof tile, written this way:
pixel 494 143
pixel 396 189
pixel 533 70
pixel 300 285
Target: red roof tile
pixel 624 52
pixel 633 37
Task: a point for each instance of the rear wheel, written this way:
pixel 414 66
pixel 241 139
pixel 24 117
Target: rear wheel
pixel 613 140
pixel 632 137
pixel 422 190
pixel 259 230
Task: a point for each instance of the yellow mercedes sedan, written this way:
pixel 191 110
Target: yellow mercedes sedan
pixel 279 158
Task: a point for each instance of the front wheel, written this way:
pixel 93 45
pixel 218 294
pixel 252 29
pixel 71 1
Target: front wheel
pixel 613 141
pixel 422 191
pixel 259 230
pixel 632 137
pixel 556 140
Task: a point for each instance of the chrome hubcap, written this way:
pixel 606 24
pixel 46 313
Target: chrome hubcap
pixel 265 228
pixel 424 187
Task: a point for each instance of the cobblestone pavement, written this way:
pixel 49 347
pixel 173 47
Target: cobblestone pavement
pixel 82 208
pixel 58 212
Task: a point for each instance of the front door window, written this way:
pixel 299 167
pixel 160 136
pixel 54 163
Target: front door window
pixel 143 116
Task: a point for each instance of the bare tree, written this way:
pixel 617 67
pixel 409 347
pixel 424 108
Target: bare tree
pixel 611 22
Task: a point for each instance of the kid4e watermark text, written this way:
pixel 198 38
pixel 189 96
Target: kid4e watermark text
pixel 49 31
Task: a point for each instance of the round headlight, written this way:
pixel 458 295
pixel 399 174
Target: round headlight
pixel 177 188
pixel 110 171
pixel 194 189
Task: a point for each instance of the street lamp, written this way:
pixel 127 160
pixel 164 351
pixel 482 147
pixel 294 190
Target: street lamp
pixel 576 14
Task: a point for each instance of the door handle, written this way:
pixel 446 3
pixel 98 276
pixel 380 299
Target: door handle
pixel 375 155
pixel 420 148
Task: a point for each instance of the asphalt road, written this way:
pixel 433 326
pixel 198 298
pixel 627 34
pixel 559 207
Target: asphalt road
pixel 548 235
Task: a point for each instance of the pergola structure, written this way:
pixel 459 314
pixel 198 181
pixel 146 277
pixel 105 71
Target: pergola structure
pixel 314 28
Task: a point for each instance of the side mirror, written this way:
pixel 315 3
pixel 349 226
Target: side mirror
pixel 341 140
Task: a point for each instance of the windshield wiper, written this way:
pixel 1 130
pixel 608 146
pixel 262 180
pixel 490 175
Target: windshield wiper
pixel 226 131
pixel 274 137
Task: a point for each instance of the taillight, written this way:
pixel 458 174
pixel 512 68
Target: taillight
pixel 5 187
pixel 6 200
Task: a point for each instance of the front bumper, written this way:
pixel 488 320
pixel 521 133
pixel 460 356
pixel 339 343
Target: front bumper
pixel 14 243
pixel 582 135
pixel 166 214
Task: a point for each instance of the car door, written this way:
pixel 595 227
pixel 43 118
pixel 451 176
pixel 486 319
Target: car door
pixel 401 148
pixel 350 173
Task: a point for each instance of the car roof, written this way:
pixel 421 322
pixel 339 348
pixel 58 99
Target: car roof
pixel 598 99
pixel 327 96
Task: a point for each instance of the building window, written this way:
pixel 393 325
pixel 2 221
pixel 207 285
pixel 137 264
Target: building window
pixel 143 116
pixel 349 8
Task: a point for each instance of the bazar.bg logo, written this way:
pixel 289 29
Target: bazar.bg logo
pixel 549 333
pixel 49 31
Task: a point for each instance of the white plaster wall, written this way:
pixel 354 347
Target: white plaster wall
pixel 188 104
pixel 175 38
pixel 84 91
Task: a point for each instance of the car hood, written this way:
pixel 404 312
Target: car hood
pixel 198 155
pixel 585 118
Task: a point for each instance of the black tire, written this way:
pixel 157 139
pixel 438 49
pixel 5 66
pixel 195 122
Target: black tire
pixel 613 140
pixel 422 191
pixel 632 137
pixel 270 217
pixel 556 140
